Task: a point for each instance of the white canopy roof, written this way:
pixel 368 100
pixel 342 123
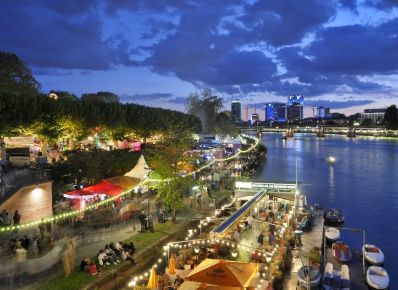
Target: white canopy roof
pixel 140 170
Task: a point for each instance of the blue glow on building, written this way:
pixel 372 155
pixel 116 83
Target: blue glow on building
pixel 275 112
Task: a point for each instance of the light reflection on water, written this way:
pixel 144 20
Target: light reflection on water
pixel 363 182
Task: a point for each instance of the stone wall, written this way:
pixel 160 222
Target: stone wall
pixel 33 202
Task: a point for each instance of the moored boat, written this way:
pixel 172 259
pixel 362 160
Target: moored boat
pixel 373 255
pixel 333 216
pixel 332 234
pixel 336 280
pixel 341 252
pixel 313 273
pixel 377 278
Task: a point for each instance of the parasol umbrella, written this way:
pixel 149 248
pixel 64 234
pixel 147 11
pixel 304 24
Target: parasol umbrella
pixel 172 267
pixel 153 280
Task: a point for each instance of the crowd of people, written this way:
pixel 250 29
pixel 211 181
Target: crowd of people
pixel 6 220
pixel 112 253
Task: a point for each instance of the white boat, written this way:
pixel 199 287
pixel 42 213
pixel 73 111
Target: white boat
pixel 313 273
pixel 336 280
pixel 373 255
pixel 332 234
pixel 377 278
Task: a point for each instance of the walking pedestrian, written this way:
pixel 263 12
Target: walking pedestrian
pixel 35 247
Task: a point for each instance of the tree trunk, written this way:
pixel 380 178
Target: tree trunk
pixel 3 156
pixel 174 216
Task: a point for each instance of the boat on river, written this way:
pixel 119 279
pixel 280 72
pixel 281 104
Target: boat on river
pixel 377 278
pixel 314 276
pixel 333 216
pixel 373 255
pixel 341 252
pixel 288 134
pixel 331 160
pixel 335 279
pixel 332 234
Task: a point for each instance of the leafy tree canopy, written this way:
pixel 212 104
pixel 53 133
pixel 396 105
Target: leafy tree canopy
pixel 105 97
pixel 15 76
pixel 391 118
pixel 205 105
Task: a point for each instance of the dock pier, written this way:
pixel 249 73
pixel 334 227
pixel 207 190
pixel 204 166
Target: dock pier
pixel 314 238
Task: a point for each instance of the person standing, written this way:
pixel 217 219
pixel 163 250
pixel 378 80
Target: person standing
pixel 6 219
pixel 16 217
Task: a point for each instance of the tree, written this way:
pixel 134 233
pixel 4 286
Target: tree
pixel 172 156
pixel 391 118
pixel 171 192
pixel 205 106
pixel 15 76
pixel 224 125
pixel 105 97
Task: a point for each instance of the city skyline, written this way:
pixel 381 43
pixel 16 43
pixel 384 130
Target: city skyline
pixel 337 54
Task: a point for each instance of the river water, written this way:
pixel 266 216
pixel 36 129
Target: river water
pixel 363 183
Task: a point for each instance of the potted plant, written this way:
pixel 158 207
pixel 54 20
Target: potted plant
pixel 315 256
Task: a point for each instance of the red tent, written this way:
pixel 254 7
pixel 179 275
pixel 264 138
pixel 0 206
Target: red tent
pixel 79 194
pixel 105 187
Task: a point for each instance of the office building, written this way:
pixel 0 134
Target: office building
pixel 275 112
pixel 295 108
pixel 236 111
pixel 375 115
pixel 254 119
pixel 322 112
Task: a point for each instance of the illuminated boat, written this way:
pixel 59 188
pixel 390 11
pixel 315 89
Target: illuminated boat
pixel 332 234
pixel 341 252
pixel 377 278
pixel 373 255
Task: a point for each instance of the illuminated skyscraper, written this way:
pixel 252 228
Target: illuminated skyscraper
pixel 275 112
pixel 295 108
pixel 236 111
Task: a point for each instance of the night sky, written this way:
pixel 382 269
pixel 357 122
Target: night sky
pixel 342 54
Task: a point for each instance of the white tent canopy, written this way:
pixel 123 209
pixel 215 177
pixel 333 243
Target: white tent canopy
pixel 140 170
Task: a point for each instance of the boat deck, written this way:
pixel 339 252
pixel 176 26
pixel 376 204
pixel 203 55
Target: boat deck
pixel 313 238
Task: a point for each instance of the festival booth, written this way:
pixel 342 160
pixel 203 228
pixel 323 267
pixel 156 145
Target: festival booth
pixel 140 170
pixel 190 285
pixel 99 191
pixel 224 273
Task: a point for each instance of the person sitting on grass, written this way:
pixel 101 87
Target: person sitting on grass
pixel 92 269
pixel 84 264
pixel 103 258
pixel 111 253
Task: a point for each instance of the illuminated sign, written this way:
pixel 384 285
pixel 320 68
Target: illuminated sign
pixel 260 185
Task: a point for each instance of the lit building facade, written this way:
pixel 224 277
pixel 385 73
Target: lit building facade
pixel 236 107
pixel 254 119
pixel 376 115
pixel 275 112
pixel 295 108
pixel 322 112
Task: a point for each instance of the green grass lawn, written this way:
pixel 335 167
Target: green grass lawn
pixel 78 279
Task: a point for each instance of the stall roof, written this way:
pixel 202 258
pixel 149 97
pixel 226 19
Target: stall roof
pixel 221 229
pixel 224 273
pixel 125 182
pixel 105 187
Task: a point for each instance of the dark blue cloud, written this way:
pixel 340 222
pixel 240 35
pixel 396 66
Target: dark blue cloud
pixel 338 104
pixel 57 34
pixel 145 97
pixel 237 47
pixel 286 22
